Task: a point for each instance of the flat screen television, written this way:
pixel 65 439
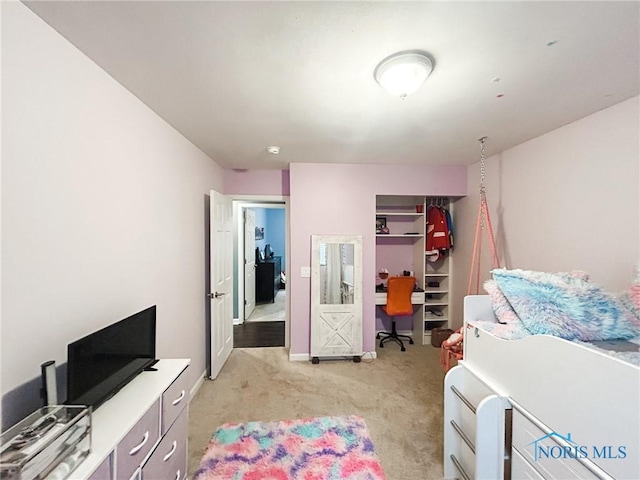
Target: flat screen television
pixel 103 362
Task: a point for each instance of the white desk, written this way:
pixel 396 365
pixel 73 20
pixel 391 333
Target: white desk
pixel 417 298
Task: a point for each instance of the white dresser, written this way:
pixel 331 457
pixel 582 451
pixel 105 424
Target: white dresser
pixel 141 432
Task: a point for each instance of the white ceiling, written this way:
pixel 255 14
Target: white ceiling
pixel 236 77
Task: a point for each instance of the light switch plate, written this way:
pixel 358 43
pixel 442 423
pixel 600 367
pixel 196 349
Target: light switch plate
pixel 305 272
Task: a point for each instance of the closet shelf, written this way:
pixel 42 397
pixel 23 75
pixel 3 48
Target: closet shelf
pixel 433 318
pixel 399 214
pixel 395 235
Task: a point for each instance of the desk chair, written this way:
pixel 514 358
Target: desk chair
pixel 399 290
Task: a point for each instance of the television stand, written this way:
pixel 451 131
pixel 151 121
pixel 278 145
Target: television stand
pixel 141 432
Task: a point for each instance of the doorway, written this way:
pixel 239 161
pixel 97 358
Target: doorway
pixel 261 303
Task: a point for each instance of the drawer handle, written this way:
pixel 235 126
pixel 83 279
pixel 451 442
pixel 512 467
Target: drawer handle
pixel 174 445
pixel 179 399
pixel 463 398
pixel 137 448
pixel 178 475
pixel 459 467
pixel 463 435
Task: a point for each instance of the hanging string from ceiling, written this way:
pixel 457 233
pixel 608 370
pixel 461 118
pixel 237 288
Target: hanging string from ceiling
pixel 483 224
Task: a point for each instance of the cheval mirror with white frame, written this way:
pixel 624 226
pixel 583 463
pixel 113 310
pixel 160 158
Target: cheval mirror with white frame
pixel 336 297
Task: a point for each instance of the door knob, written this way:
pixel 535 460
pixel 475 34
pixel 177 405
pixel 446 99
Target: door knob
pixel 215 295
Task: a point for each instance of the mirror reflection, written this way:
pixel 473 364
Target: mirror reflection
pixel 336 273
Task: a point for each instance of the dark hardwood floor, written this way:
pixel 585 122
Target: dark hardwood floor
pixel 258 334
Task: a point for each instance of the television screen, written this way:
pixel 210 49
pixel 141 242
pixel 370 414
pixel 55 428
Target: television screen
pixel 101 363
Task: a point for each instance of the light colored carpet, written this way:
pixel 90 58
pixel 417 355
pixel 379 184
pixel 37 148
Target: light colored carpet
pixel 399 395
pixel 270 312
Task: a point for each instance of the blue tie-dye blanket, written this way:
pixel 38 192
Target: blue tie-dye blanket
pixel 564 305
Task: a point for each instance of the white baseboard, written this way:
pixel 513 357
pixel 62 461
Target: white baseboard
pixel 197 386
pixel 369 356
pixel 299 357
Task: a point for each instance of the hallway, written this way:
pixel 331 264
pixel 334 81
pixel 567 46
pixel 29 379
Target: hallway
pixel 270 312
pixel 258 334
pixel 264 327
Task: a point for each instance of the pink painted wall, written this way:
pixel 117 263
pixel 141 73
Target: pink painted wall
pixel 340 199
pixel 256 182
pixel 396 255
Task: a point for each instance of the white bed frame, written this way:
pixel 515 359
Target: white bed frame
pixel 550 384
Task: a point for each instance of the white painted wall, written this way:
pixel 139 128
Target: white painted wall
pixel 103 208
pixel 569 199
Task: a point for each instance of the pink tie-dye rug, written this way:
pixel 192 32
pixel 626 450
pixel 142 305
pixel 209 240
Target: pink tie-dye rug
pixel 322 448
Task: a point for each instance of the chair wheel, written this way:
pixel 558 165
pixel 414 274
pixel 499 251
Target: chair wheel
pixel 357 359
pixel 377 336
pixel 411 341
pixel 315 360
pixel 381 345
pixel 402 349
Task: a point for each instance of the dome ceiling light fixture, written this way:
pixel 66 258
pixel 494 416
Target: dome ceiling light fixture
pixel 403 73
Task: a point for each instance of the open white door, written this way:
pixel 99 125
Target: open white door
pixel 249 262
pixel 221 281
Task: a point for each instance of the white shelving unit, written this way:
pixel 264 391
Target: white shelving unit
pixel 401 220
pixel 406 219
pixel 437 295
pixel 437 281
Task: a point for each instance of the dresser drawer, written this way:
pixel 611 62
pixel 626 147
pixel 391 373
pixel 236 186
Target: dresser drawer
pixel 136 475
pixel 174 399
pixel 104 470
pixel 169 459
pixel 135 446
pixel 544 454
